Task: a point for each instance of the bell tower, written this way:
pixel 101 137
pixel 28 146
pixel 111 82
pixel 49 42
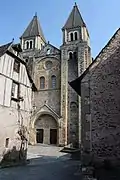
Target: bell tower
pixel 75 58
pixel 33 38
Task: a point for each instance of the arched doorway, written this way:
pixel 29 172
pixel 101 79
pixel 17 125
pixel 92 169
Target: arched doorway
pixel 46 129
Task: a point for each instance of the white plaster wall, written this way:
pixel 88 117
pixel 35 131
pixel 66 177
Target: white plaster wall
pixel 8 107
pixel 9 124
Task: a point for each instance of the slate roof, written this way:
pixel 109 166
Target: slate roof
pixel 4 48
pixel 34 29
pixel 75 19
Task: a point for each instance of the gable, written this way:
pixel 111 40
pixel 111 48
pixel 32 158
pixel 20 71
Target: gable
pixel 45 109
pixel 48 50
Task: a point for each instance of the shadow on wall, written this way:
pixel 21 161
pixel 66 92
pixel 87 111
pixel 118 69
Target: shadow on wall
pixel 16 154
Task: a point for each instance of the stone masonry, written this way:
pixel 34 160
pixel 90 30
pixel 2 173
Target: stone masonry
pixel 65 64
pixel 100 86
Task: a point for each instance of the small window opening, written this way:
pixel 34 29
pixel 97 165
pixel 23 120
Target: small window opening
pixel 26 60
pixel 31 44
pixel 16 67
pixel 75 55
pixel 27 45
pixel 70 55
pixel 42 82
pixel 76 36
pixel 15 90
pixel 53 78
pixel 6 142
pixel 48 51
pixel 73 106
pixel 71 36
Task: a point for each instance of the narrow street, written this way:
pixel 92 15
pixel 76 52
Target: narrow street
pixel 46 163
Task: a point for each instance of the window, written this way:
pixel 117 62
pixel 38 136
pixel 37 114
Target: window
pixel 53 78
pixel 26 60
pixel 73 106
pixel 76 36
pixel 31 44
pixel 6 142
pixel 75 55
pixel 48 64
pixel 15 90
pixel 70 55
pixel 42 82
pixel 16 66
pixel 48 51
pixel 27 45
pixel 71 36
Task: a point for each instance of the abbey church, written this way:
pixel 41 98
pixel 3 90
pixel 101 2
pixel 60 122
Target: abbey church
pixel 55 113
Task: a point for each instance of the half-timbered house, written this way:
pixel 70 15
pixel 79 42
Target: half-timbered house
pixel 15 94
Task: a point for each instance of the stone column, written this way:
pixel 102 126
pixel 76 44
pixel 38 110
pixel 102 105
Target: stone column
pixel 46 138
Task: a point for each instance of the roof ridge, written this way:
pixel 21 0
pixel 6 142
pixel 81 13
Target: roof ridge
pixel 75 19
pixel 4 48
pixel 33 29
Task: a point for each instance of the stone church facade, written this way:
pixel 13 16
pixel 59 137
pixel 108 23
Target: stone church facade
pixel 56 115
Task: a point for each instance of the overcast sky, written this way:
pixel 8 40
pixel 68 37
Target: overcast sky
pixel 102 18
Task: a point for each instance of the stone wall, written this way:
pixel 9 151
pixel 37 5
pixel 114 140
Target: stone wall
pixel 48 95
pixel 105 107
pixel 101 103
pixel 70 70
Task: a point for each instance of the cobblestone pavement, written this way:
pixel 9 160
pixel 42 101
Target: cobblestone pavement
pixel 46 163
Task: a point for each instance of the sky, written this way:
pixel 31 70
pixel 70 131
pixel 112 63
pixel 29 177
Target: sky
pixel 102 18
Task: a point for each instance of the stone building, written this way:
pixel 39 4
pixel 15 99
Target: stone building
pixel 56 116
pixel 100 101
pixel 15 96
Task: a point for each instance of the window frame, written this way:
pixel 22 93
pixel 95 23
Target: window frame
pixel 48 51
pixel 7 140
pixel 31 44
pixel 17 70
pixel 42 84
pixel 18 91
pixel 71 36
pixel 53 81
pixel 75 35
pixel 27 45
pixel 70 55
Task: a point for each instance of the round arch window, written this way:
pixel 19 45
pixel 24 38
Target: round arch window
pixel 48 64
